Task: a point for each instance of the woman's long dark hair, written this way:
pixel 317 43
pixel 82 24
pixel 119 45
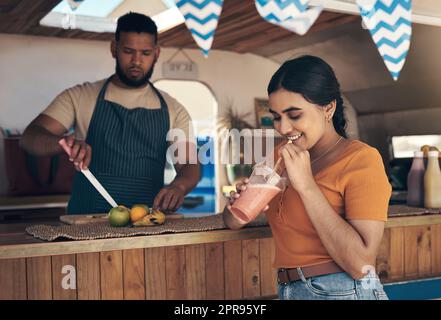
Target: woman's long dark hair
pixel 315 80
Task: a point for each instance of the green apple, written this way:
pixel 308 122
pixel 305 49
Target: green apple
pixel 119 216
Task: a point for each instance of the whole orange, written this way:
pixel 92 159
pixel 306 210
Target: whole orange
pixel 137 212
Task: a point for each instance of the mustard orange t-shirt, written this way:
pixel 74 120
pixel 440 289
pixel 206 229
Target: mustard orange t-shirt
pixel 355 185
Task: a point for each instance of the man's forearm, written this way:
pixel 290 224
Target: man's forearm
pixel 40 142
pixel 187 177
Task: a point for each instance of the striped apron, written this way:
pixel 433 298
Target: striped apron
pixel 128 155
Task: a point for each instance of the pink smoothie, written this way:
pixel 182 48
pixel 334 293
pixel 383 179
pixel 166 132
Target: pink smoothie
pixel 253 200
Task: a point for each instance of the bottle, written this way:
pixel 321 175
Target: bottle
pixel 432 182
pixel 415 181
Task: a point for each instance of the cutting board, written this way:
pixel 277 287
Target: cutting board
pixel 100 217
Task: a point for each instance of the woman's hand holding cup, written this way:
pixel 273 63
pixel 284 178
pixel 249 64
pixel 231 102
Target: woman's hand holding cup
pixel 240 187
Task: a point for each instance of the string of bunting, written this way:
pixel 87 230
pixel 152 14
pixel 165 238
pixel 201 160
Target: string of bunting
pixel 74 4
pixel 293 15
pixel 201 18
pixel 389 23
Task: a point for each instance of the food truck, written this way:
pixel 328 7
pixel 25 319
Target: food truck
pixel 392 100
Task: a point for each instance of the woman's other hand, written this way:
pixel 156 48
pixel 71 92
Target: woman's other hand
pixel 298 166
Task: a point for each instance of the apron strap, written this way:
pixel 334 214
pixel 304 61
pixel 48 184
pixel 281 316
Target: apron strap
pixel 161 98
pixel 103 90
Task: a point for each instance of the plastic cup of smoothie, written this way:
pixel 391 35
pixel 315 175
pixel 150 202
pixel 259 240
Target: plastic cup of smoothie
pixel 264 184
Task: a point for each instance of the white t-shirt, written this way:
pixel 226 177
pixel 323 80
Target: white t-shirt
pixel 74 107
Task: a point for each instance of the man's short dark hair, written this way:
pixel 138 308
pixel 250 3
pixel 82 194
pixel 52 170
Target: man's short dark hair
pixel 136 22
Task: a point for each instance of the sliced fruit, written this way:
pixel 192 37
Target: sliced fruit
pixel 158 215
pixel 153 219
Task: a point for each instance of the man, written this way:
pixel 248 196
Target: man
pixel 121 124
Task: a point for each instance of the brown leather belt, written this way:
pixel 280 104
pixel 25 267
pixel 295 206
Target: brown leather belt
pixel 289 275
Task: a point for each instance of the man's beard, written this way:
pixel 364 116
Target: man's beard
pixel 130 82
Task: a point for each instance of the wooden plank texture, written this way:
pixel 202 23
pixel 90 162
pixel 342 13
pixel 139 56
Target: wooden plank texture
pixel 233 269
pixel 435 236
pixel 251 268
pixel 88 276
pixel 13 279
pixel 175 272
pixel 411 252
pixel 32 247
pixel 240 28
pixel 112 287
pixel 215 277
pixel 195 282
pixel 39 278
pixel 268 277
pixel 155 274
pixel 134 274
pixel 424 254
pixel 396 258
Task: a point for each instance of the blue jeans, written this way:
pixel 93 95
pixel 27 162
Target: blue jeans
pixel 335 286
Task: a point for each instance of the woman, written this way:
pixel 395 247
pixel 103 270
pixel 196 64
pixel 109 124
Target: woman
pixel 328 224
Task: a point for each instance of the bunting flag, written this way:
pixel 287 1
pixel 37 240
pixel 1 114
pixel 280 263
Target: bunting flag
pixel 201 18
pixel 293 15
pixel 390 25
pixel 74 4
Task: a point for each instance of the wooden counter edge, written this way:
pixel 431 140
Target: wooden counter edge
pixel 152 241
pixel 420 220
pixel 165 240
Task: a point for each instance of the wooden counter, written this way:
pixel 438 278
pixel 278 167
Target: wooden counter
pixel 221 264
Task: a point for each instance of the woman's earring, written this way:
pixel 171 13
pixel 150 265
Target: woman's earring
pixel 330 117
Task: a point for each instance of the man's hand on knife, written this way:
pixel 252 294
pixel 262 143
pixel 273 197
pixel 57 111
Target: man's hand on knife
pixel 80 153
pixel 169 198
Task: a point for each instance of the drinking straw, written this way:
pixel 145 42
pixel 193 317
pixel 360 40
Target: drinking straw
pixel 279 161
pixel 273 178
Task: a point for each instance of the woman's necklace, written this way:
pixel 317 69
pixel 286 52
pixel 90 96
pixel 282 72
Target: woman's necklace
pixel 279 211
pixel 327 151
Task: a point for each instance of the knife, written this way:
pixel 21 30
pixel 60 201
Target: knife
pixel 91 177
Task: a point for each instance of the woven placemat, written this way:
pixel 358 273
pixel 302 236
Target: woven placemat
pixel 102 230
